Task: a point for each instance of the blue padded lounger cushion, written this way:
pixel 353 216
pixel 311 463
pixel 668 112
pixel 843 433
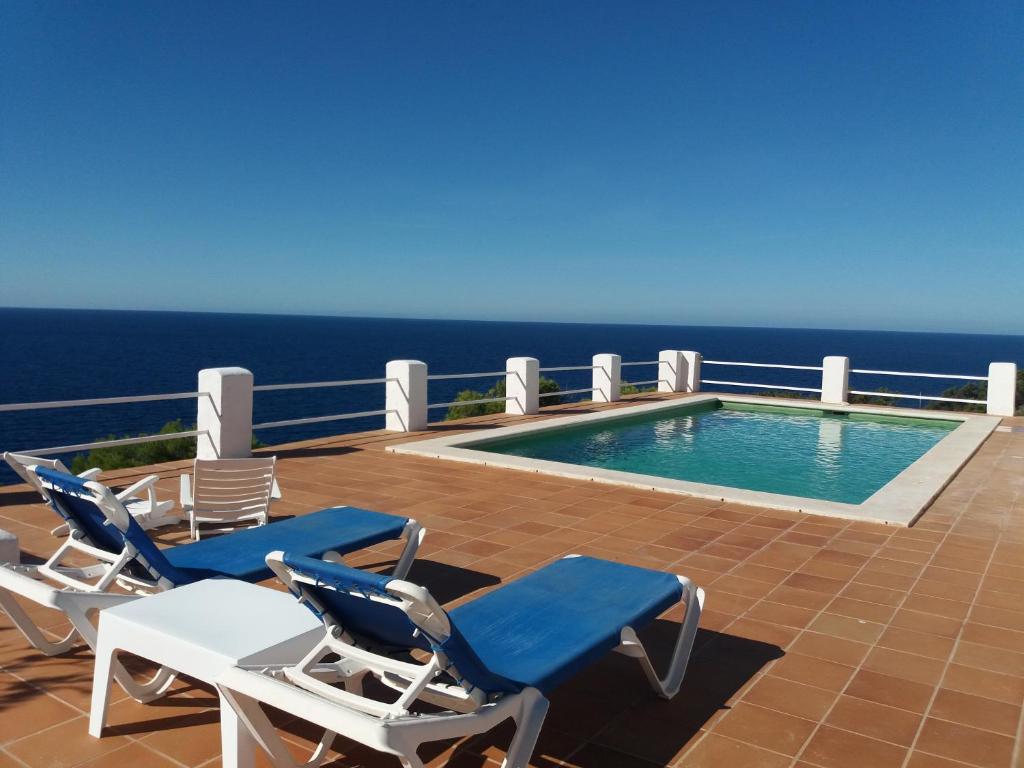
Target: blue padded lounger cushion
pixel 242 554
pixel 543 628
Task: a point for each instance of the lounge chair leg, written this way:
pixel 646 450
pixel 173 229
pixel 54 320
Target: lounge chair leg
pixel 668 686
pixel 148 691
pixel 236 743
pixel 31 631
pixel 528 725
pixel 103 673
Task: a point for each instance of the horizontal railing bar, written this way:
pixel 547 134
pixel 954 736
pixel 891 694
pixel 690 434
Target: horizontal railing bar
pixel 920 375
pixel 566 392
pixel 471 402
pixel 314 384
pixel 639 383
pixel 442 376
pixel 764 365
pixel 900 395
pixel 318 419
pixel 759 386
pixel 111 443
pixel 645 362
pixel 98 401
pixel 569 368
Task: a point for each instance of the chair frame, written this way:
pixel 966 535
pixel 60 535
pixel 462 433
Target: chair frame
pixel 256 503
pixel 305 689
pixel 148 513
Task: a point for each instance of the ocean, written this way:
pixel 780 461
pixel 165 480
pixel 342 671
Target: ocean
pixel 57 354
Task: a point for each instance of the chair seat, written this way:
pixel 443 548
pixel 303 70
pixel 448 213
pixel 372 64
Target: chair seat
pixel 242 555
pixel 543 628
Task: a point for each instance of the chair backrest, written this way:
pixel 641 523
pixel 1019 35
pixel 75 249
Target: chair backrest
pixel 233 487
pixel 94 513
pixel 383 614
pixel 22 462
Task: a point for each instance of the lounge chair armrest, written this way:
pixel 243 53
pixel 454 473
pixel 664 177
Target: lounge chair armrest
pixel 90 474
pixel 185 493
pixel 134 488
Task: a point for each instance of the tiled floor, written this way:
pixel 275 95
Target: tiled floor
pixel 824 643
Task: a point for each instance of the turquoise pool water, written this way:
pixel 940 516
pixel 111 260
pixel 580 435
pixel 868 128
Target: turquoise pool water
pixel 813 454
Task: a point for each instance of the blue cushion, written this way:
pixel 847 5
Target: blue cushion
pixel 543 628
pixel 242 554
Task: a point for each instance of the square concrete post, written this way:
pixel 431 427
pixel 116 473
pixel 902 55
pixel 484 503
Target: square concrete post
pixel 522 384
pixel 224 414
pixel 607 378
pixel 406 399
pixel 835 380
pixel 691 371
pixel 1002 389
pixel 670 371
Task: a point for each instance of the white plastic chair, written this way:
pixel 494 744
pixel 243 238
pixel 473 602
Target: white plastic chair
pixel 229 491
pixel 148 512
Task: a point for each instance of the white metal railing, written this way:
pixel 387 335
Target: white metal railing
pixel 319 384
pixel 446 376
pixel 760 386
pixel 900 395
pixel 764 365
pixel 110 443
pixel 918 375
pixel 320 419
pixel 224 396
pixel 566 392
pixel 42 405
pixel 479 401
pixel 49 404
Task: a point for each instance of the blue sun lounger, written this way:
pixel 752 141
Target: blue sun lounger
pixel 494 658
pixel 103 532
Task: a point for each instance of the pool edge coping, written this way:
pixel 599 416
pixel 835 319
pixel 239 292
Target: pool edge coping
pixel 901 501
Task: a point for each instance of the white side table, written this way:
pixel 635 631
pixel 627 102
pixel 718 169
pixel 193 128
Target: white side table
pixel 200 630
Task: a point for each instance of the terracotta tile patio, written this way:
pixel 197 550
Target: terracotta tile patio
pixel 824 642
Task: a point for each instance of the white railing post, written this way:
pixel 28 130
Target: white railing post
pixel 522 384
pixel 406 398
pixel 670 371
pixel 835 380
pixel 607 378
pixel 224 414
pixel 1002 389
pixel 691 371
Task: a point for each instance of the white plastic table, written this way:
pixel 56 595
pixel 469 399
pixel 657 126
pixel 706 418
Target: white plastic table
pixel 200 630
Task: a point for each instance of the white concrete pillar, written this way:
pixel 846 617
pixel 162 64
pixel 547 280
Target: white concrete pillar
pixel 607 378
pixel 522 384
pixel 1002 389
pixel 406 399
pixel 835 380
pixel 670 371
pixel 691 371
pixel 224 414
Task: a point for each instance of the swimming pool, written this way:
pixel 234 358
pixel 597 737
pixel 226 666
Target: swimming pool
pixel 834 456
pixel 852 461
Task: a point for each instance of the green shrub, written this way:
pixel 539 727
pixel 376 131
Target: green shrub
pixel 498 390
pixel 632 389
pixel 142 454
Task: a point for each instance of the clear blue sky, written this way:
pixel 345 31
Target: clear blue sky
pixel 848 164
